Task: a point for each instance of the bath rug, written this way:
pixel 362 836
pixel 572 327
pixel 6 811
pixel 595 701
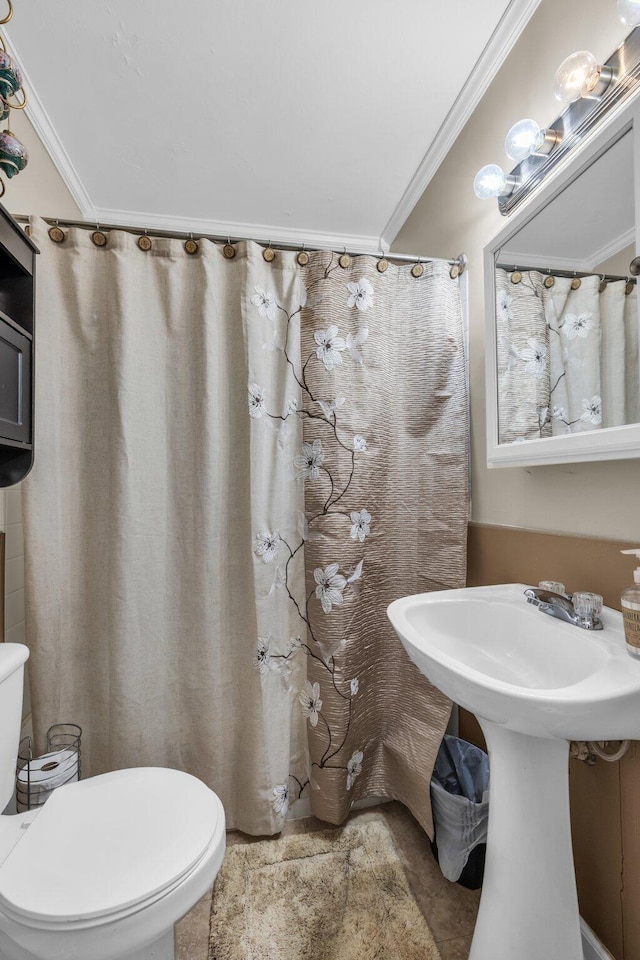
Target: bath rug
pixel 338 894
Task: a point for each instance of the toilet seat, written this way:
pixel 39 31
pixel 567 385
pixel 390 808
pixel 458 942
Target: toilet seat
pixel 106 847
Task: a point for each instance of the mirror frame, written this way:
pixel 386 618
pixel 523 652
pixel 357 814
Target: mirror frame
pixel 611 443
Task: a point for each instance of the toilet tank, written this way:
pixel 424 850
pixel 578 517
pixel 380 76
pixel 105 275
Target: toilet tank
pixel 12 660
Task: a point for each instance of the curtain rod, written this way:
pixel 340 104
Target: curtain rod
pixel 570 274
pixel 460 261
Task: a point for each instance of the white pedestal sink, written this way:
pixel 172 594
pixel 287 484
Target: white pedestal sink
pixel 534 683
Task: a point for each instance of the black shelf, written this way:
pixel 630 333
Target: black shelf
pixel 17 335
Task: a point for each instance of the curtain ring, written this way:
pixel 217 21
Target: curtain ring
pixel 382 263
pixel 56 234
pixel 417 269
pixel 144 242
pixel 303 257
pixel 576 283
pixel 344 259
pixel 516 276
pixel 191 246
pixel 549 280
pixel 268 253
pixel 630 284
pixel 9 15
pixel 604 283
pixel 98 237
pixel 228 251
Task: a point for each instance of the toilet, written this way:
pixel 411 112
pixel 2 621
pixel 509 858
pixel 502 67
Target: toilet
pixel 109 864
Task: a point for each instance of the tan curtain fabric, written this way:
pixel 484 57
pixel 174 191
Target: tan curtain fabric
pixel 386 410
pixel 575 348
pixel 209 433
pixel 567 358
pixel 522 357
pixel 146 590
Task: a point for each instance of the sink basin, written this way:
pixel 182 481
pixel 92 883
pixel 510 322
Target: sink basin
pixel 534 683
pixel 503 659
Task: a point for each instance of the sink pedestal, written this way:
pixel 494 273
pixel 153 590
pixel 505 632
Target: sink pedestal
pixel 529 905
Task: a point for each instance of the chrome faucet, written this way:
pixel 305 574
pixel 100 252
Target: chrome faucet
pixel 580 609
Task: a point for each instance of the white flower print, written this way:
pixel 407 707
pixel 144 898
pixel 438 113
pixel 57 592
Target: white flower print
pixel 281 798
pixel 535 357
pixel 265 301
pixel 577 325
pixel 354 344
pixel 311 702
pixel 330 586
pixel 360 525
pixel 355 686
pixel 257 408
pixel 267 545
pixel 291 407
pixel 592 411
pixel 359 443
pixel 559 413
pixel 262 659
pixel 295 643
pixel 354 767
pixel 329 408
pixel 543 416
pixel 330 346
pixel 360 294
pixel 504 305
pixel 310 461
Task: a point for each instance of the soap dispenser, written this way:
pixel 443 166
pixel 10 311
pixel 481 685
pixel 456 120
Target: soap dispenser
pixel 630 601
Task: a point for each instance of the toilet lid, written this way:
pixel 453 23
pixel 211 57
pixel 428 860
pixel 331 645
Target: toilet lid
pixel 108 843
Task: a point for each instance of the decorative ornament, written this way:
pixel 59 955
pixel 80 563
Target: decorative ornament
pixel 417 270
pixel 268 254
pixel 56 234
pixel 303 258
pixel 99 238
pixel 382 265
pixel 345 260
pixel 228 251
pixel 144 242
pixel 191 246
pixel 516 276
pixel 13 154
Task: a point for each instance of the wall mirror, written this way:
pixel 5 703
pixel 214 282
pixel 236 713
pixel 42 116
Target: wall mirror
pixel 562 322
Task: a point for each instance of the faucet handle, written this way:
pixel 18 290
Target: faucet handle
pixel 553 586
pixel 588 606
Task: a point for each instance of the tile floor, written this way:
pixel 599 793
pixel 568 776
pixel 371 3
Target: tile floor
pixel 450 910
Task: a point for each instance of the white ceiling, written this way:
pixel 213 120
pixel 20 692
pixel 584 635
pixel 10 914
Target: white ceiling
pixel 285 120
pixel 591 220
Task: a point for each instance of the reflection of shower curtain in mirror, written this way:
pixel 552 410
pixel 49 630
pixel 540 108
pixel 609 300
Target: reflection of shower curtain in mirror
pixel 567 358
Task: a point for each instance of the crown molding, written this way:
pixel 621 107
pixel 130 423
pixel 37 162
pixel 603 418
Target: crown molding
pixel 45 130
pixel 504 37
pixel 287 236
pixel 610 249
pixel 588 264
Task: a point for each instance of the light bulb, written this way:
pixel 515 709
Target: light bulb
pixel 524 138
pixel 490 181
pixel 629 12
pixel 578 76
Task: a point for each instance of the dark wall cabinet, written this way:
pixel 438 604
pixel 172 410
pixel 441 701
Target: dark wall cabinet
pixel 17 332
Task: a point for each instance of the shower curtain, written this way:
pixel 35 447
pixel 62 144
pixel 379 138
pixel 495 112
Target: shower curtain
pixel 239 464
pixel 567 355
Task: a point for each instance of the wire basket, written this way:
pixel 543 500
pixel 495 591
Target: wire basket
pixel 38 777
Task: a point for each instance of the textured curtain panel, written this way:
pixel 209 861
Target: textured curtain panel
pixel 239 465
pixel 567 357
pixel 385 472
pixel 145 598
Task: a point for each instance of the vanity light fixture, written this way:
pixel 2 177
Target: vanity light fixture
pixel 580 75
pixel 527 137
pixel 629 12
pixel 492 181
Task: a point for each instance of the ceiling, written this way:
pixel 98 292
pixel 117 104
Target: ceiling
pixel 590 221
pixel 288 121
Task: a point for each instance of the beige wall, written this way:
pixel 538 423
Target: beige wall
pixel 601 499
pixel 39 188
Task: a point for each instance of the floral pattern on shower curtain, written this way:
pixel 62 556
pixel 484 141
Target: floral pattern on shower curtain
pixel 382 400
pixel 567 355
pixel 240 464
